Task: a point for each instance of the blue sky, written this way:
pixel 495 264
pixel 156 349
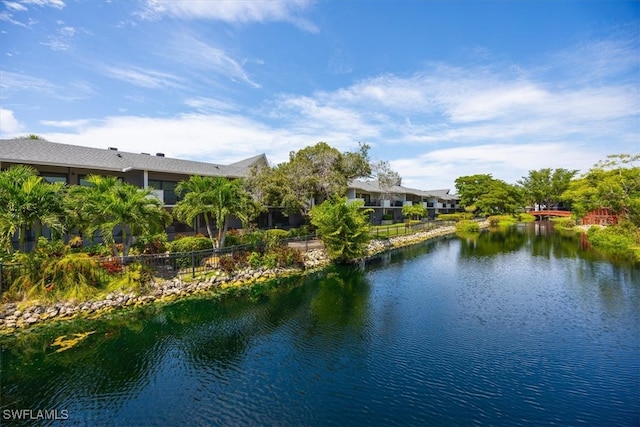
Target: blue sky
pixel 441 89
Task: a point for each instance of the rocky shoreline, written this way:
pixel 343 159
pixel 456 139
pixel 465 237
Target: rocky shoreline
pixel 16 316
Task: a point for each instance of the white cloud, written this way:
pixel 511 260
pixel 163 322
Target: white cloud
pixel 11 5
pixel 58 4
pixel 233 11
pixel 434 125
pixel 12 83
pixel 9 125
pixel 142 77
pixel 205 105
pixel 198 55
pixel 216 138
pixel 61 40
pixel 508 162
pixel 72 124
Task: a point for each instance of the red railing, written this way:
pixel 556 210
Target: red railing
pixel 551 213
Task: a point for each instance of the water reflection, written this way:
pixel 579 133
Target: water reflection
pixel 506 327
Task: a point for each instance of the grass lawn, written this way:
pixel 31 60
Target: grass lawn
pixel 399 229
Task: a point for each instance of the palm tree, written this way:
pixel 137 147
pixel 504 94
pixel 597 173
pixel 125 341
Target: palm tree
pixel 108 204
pixel 215 198
pixel 231 199
pixel 27 202
pixel 198 200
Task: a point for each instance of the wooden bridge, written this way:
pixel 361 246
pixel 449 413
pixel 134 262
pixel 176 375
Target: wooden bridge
pixel 549 213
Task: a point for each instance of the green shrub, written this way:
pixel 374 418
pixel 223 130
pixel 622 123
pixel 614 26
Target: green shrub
pixel 303 230
pixel 50 248
pixel 288 257
pixel 254 260
pixel 232 240
pixel 136 279
pixel 97 250
pixel 152 244
pixel 565 223
pixel 525 217
pixel 74 276
pixel 269 260
pixel 343 228
pixel 458 216
pixel 617 239
pixel 254 238
pixel 190 244
pixel 467 226
pixel 273 237
pixel 227 264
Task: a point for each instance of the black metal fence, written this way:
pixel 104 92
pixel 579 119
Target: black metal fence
pixel 181 263
pixel 402 229
pixel 164 265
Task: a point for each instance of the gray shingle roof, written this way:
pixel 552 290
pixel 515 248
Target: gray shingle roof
pixel 374 187
pixel 41 152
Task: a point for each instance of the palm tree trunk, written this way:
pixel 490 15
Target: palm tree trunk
pixel 222 233
pixel 209 230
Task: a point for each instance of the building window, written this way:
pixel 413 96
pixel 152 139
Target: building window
pixel 169 189
pixel 429 204
pixel 55 177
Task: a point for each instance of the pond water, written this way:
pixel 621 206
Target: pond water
pixel 515 327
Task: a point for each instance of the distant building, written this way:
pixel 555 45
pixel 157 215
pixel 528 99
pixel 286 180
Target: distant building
pixel 391 201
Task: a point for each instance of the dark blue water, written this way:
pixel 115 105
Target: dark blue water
pixel 511 328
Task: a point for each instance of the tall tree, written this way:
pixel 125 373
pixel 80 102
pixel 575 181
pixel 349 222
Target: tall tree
pixel 108 205
pixel 486 195
pixel 613 183
pixel 311 176
pixel 387 179
pixel 543 188
pixel 28 202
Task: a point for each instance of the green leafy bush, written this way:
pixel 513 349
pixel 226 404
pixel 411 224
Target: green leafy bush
pixel 254 238
pixel 269 260
pixel 227 264
pixel 566 223
pixel 152 244
pixel 459 216
pixel 75 276
pixel 302 231
pixel 273 237
pixel 343 228
pixel 288 257
pixel 254 260
pixel 467 226
pixel 232 240
pixel 190 244
pixel 617 239
pixel 100 250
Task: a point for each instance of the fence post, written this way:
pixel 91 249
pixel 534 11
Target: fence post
pixel 193 264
